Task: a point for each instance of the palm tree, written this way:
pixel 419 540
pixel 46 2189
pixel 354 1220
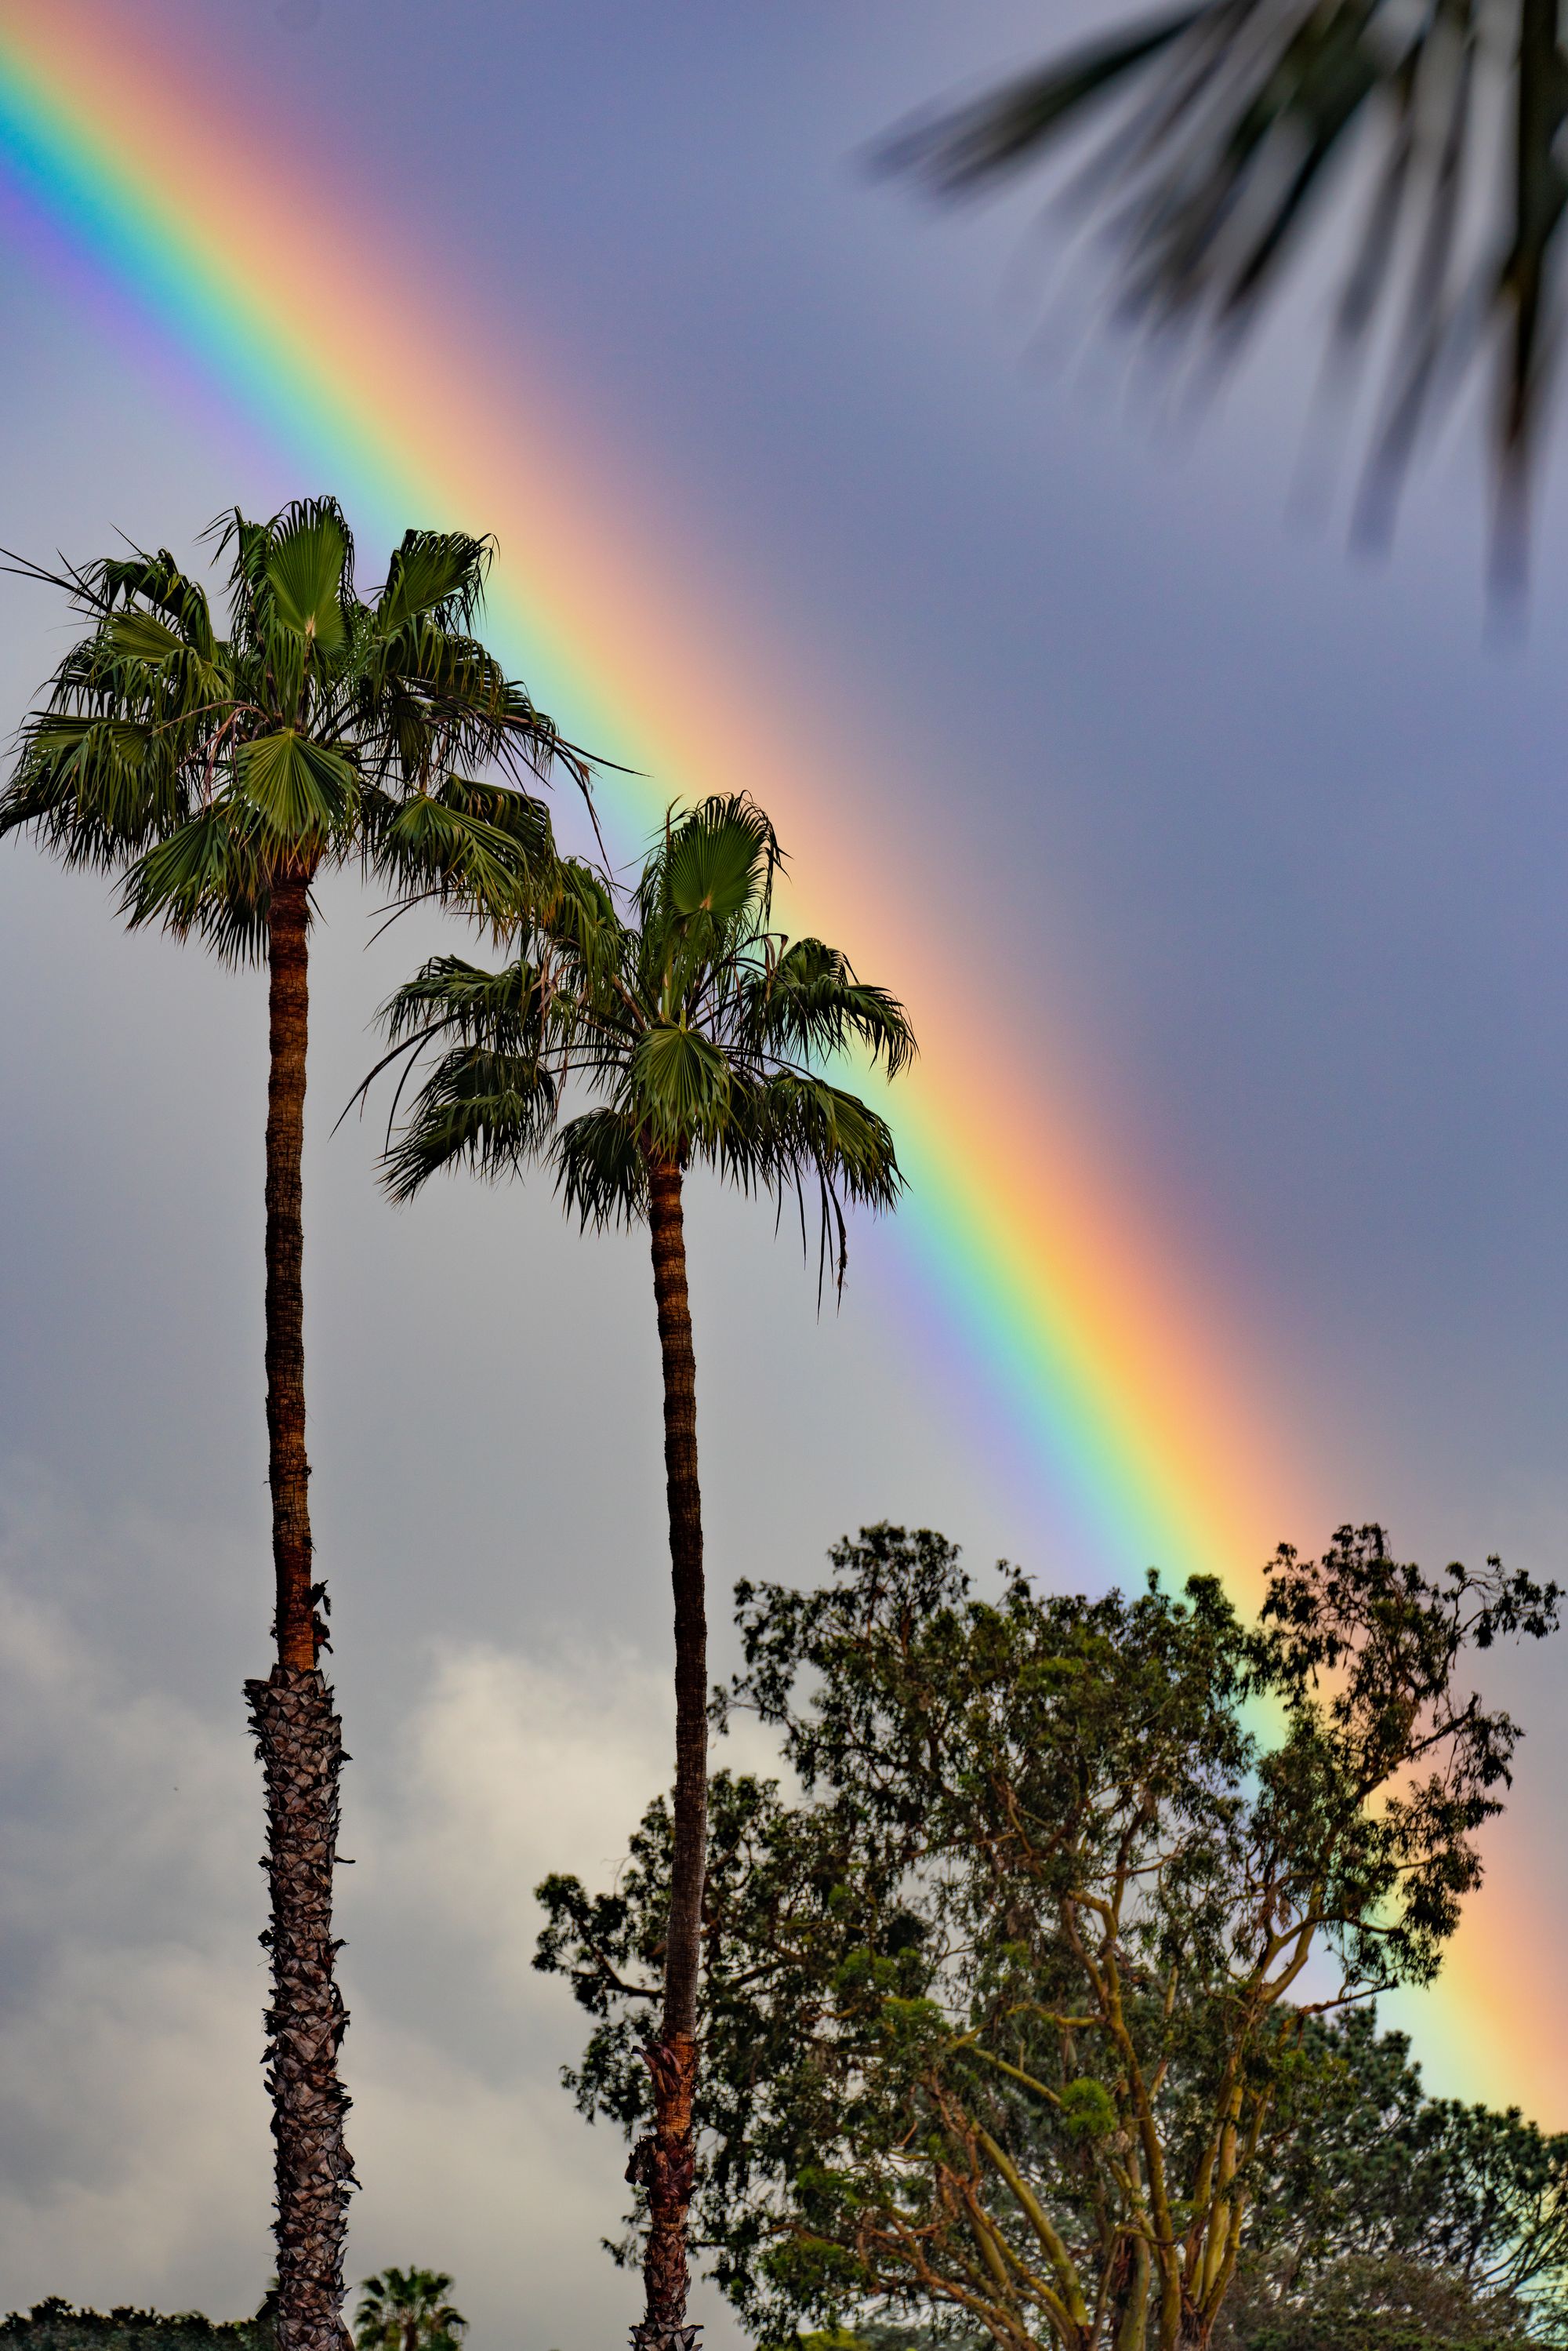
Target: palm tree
pixel 699 1032
pixel 406 2310
pixel 221 777
pixel 1224 124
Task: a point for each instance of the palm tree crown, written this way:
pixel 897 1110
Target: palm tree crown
pixel 325 725
pixel 701 1029
pixel 407 2310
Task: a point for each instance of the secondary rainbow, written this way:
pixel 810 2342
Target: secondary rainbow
pixel 1046 1274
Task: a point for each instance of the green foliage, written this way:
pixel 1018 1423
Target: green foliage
pixel 407 2310
pixel 1361 2304
pixel 1087 2109
pixel 700 1034
pixel 324 727
pixel 58 2326
pixel 1379 2176
pixel 1003 2019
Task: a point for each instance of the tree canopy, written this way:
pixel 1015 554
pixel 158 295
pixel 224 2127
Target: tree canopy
pixel 1016 2014
pixel 55 2324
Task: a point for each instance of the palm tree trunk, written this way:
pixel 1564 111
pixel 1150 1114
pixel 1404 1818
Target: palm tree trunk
pixel 665 2162
pixel 299 1737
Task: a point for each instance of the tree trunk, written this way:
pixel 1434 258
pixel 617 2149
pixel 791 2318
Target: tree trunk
pixel 1132 2327
pixel 287 1471
pixel 297 1735
pixel 664 2163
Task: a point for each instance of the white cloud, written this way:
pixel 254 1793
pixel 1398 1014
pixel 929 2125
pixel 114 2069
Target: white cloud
pixel 129 2092
pixel 137 2163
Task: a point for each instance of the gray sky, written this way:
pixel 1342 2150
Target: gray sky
pixel 1271 840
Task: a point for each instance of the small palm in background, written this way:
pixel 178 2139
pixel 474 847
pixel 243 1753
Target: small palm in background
pixel 407 2310
pixel 701 1034
pixel 1217 141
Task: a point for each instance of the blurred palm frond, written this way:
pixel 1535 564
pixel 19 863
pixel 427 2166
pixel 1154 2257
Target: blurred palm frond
pixel 1212 145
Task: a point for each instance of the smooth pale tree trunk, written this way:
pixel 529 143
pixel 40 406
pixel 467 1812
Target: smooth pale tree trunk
pixel 664 2163
pixel 1132 2333
pixel 299 1737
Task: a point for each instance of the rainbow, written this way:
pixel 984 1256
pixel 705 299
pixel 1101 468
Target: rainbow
pixel 1053 1292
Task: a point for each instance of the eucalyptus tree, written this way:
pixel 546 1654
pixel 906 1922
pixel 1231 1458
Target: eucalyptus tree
pixel 1427 138
pixel 1023 2003
pixel 222 776
pixel 701 1035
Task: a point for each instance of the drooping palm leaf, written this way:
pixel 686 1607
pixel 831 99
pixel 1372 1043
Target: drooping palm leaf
pixel 450 997
pixel 210 878
pixel 158 582
pixel 141 636
pixel 484 849
pixel 95 789
pixel 602 1169
pixel 810 1002
pixel 488 1112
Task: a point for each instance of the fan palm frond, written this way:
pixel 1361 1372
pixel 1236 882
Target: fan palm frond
pixel 436 573
pixel 1214 140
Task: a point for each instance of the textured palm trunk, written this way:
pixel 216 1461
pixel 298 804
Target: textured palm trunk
pixel 297 1734
pixel 665 2162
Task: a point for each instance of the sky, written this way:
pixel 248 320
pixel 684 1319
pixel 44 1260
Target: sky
pixel 1242 857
